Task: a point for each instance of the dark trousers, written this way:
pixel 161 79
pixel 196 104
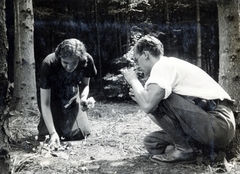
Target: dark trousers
pixel 70 124
pixel 214 127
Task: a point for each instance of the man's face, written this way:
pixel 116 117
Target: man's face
pixel 70 63
pixel 142 61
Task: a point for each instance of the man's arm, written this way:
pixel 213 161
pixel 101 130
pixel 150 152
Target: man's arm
pixel 148 99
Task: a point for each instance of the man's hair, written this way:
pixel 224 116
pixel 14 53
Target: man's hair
pixel 151 44
pixel 71 47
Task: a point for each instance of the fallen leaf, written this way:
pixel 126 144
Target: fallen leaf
pixel 60 154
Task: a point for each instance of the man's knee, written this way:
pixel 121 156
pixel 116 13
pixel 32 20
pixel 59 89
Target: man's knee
pixel 146 139
pixel 148 143
pixel 157 136
pixel 156 142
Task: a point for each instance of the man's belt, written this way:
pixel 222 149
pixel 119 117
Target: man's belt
pixel 224 102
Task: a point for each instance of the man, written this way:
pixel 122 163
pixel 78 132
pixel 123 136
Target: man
pixel 183 100
pixel 64 84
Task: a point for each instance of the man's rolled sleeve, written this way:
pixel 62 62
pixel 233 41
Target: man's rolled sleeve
pixel 161 83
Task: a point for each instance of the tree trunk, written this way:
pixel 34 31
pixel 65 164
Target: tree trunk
pixel 119 36
pixel 4 165
pixel 24 102
pixel 199 40
pixel 167 24
pixel 229 52
pixel 98 46
pixel 127 23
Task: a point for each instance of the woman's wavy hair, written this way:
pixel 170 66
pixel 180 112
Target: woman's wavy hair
pixel 72 47
pixel 151 44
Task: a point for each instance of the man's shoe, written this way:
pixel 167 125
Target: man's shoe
pixel 176 157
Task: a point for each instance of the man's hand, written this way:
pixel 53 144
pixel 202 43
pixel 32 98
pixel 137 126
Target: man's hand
pixel 129 74
pixel 131 93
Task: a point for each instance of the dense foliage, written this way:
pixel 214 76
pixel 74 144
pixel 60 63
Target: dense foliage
pixel 109 28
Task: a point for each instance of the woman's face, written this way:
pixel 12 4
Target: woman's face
pixel 70 63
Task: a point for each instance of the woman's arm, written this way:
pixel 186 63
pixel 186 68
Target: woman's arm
pixel 84 88
pixel 45 96
pixel 84 91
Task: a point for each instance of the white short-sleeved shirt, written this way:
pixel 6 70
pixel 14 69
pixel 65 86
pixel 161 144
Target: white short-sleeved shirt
pixel 180 77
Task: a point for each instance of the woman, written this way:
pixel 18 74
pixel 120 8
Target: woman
pixel 64 82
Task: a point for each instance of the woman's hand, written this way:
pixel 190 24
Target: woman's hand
pixel 87 104
pixel 84 106
pixel 54 141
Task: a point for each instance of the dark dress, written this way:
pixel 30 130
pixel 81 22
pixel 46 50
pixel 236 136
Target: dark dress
pixel 69 122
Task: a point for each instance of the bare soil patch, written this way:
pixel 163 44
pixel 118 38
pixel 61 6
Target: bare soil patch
pixel 115 146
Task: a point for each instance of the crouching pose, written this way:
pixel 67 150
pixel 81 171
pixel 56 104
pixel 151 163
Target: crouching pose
pixel 183 100
pixel 64 86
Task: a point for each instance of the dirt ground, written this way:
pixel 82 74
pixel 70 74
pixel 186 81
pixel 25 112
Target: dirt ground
pixel 114 147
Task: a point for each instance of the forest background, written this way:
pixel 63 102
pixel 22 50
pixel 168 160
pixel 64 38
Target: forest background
pixel 110 28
